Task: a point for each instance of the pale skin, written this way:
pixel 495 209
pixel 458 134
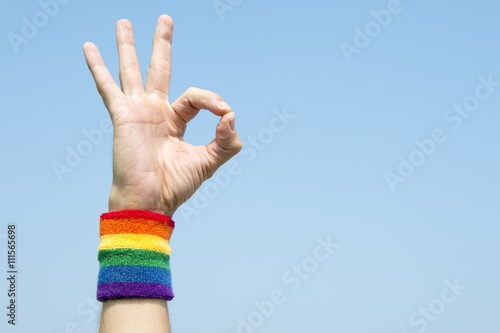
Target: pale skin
pixel 154 169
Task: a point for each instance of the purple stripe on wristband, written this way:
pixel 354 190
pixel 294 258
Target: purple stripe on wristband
pixel 114 290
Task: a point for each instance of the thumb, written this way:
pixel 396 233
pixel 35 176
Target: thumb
pixel 226 144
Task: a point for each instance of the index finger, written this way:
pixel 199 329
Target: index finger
pixel 193 100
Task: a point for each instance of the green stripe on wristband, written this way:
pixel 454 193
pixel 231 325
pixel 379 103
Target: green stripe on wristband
pixel 133 257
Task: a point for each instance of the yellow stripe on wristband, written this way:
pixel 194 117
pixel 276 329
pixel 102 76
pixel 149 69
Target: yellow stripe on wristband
pixel 135 241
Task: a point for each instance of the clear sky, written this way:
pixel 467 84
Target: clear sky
pixel 374 132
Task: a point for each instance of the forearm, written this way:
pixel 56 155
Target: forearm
pixel 134 315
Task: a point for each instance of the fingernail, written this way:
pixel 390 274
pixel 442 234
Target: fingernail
pixel 232 122
pixel 223 105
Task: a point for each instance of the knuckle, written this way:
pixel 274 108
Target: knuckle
pixel 216 97
pixel 238 146
pixel 192 92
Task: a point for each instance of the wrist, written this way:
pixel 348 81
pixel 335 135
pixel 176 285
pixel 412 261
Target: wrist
pixel 120 200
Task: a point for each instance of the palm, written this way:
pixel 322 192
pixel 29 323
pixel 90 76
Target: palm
pixel 153 167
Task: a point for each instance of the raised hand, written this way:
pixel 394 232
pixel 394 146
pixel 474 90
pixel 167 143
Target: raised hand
pixel 154 169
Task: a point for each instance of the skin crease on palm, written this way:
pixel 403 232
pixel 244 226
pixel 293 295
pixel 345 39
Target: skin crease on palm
pixel 154 169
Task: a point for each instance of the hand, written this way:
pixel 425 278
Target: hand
pixel 153 168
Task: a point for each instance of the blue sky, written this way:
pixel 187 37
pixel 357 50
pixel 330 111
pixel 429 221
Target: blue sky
pixel 322 131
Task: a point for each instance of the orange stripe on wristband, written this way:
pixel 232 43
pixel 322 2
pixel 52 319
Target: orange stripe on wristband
pixel 135 226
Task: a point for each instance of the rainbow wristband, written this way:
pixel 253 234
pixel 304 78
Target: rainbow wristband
pixel 134 255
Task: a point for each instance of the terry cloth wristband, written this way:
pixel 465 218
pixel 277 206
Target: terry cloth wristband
pixel 134 255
